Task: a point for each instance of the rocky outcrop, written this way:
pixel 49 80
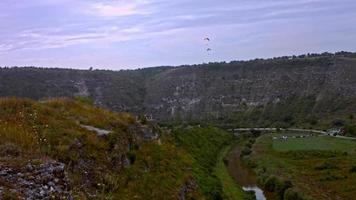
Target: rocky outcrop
pixel 215 90
pixel 35 181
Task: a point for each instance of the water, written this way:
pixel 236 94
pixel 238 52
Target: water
pixel 258 192
pixel 243 175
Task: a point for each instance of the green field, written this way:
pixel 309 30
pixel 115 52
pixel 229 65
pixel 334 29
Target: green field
pixel 315 143
pixel 320 168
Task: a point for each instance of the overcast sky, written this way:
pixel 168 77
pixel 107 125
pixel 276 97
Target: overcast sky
pixel 126 34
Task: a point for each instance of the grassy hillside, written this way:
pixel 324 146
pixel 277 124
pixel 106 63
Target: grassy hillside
pixel 133 161
pixel 208 147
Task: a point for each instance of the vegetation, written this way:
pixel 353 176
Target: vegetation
pixel 207 92
pixel 303 168
pixel 124 164
pixel 231 189
pixel 315 143
pixel 205 146
pixel 138 160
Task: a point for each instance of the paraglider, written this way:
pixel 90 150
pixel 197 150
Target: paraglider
pixel 207 44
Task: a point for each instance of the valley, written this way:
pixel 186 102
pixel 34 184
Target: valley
pixel 178 100
pixel 188 132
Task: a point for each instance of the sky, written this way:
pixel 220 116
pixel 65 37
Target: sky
pixel 130 34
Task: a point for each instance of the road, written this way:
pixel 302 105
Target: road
pixel 281 129
pixel 289 129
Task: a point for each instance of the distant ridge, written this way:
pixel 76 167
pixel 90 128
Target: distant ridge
pixel 322 83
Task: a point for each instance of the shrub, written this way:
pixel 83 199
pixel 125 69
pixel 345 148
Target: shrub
pixel 132 157
pixel 226 161
pixel 84 99
pixel 326 165
pixel 250 195
pixel 246 151
pixel 351 130
pixel 270 183
pixel 274 184
pixel 338 122
pixel 282 186
pixel 291 194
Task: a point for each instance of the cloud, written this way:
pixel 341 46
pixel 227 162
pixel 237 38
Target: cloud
pixel 113 9
pixel 153 31
pixel 38 39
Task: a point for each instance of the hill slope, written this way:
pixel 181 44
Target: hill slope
pixel 315 85
pixel 62 148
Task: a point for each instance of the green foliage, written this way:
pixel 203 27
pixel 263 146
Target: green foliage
pixel 326 165
pixel 232 191
pixel 250 195
pixel 84 99
pixel 132 89
pixel 323 161
pixel 271 183
pixel 204 145
pixel 351 130
pixel 246 151
pixel 291 194
pixel 159 172
pixel 121 165
pixel 315 143
pixel 277 185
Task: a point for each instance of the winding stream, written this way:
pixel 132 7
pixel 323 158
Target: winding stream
pixel 242 175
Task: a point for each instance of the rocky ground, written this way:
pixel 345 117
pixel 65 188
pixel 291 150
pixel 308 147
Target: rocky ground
pixel 46 180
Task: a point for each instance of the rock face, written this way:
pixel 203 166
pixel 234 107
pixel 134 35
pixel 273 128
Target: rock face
pixel 42 181
pixel 195 92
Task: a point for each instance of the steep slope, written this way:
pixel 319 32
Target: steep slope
pixel 219 90
pixel 322 84
pixel 62 148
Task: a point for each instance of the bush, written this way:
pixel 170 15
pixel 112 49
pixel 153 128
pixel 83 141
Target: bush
pixel 282 186
pixel 274 184
pixel 338 122
pixel 255 133
pixel 351 130
pixel 84 99
pixel 353 169
pixel 291 194
pixel 270 183
pixel 132 157
pixel 250 195
pixel 326 165
pixel 246 151
pixel 226 161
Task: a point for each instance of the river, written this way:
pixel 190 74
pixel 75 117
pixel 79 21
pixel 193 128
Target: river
pixel 243 175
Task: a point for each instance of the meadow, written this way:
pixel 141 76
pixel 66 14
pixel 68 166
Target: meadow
pixel 314 167
pixel 325 143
